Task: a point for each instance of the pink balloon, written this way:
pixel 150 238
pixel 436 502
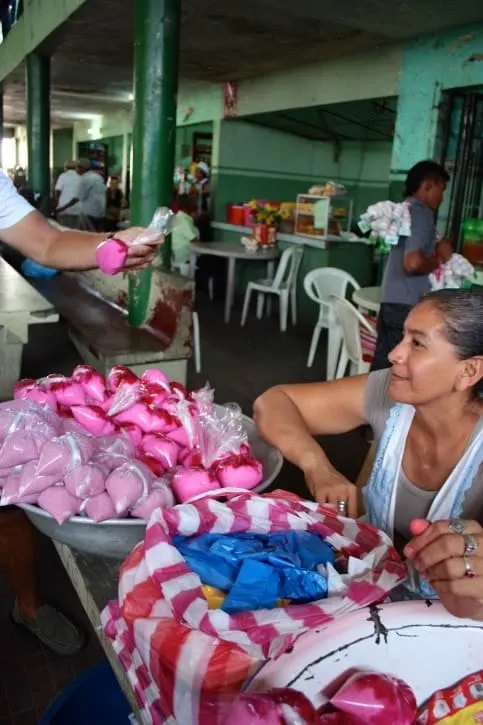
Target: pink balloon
pixel 189 482
pixel 239 472
pixel 111 256
pixel 92 382
pixel 160 497
pixel 59 503
pixel 100 508
pixel 161 448
pixel 86 481
pixel 128 484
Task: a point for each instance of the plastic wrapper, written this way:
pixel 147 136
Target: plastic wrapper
pixel 277 707
pixel 453 274
pixel 127 394
pixel 219 433
pixel 156 379
pixel 377 699
pixel 164 450
pixel 99 508
pixel 92 382
pixel 111 254
pixel 69 393
pixel 31 483
pixel 188 437
pixel 20 447
pixel 63 454
pixel 94 419
pixel 161 496
pixel 129 486
pixel 460 704
pixel 32 390
pixel 239 472
pixel 59 503
pixel 26 415
pixel 86 481
pixel 112 451
pixel 11 492
pixel 190 482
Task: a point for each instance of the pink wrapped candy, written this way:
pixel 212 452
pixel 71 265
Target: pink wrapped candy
pixel 86 481
pixel 153 464
pixel 160 497
pixel 278 707
pixel 93 419
pixel 111 255
pixel 239 472
pixel 99 508
pixel 161 448
pixel 155 379
pixel 120 374
pixel 128 486
pixel 113 451
pixel 127 394
pixel 19 447
pixel 32 390
pixel 190 458
pixel 190 482
pixel 11 492
pixel 61 455
pixel 59 503
pixel 377 699
pixel 68 393
pixel 92 382
pixel 179 436
pixel 132 432
pixel 31 483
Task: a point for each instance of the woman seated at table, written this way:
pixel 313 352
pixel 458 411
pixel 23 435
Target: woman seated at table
pixel 425 412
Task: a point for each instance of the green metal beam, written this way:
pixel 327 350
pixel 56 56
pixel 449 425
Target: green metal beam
pixel 38 125
pixel 156 59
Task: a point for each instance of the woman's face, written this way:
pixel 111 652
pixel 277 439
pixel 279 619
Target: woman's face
pixel 425 367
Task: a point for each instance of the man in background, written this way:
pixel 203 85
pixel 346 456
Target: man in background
pixel 413 258
pixel 66 189
pixel 92 197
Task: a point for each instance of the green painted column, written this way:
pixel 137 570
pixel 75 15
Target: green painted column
pixel 156 57
pixel 38 125
pixel 1 123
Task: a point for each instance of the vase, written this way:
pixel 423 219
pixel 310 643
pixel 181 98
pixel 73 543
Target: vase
pixel 265 235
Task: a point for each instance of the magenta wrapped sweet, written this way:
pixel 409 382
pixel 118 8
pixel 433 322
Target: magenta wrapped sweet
pixel 92 382
pixel 161 496
pixel 59 503
pixel 190 482
pixel 93 419
pixel 377 699
pixel 277 707
pixel 99 508
pixel 163 449
pixel 61 455
pixel 128 486
pixel 239 472
pixel 32 483
pixel 113 451
pixel 86 481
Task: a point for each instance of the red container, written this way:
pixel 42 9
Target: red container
pixel 235 214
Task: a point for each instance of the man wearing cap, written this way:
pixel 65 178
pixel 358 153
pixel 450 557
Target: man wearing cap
pixel 92 197
pixel 66 189
pixel 27 231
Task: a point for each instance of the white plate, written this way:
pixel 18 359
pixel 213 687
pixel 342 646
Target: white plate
pixel 423 645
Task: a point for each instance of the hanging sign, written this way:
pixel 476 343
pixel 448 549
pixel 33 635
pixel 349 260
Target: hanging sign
pixel 230 98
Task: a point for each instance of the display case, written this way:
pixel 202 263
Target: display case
pixel 322 216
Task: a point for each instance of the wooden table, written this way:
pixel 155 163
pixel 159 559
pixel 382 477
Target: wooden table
pixel 232 251
pixel 368 298
pixel 95 579
pixel 20 306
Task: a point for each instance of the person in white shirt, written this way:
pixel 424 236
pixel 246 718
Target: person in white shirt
pixel 92 197
pixel 66 189
pixel 30 233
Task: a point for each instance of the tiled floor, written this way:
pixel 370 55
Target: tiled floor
pixel 240 364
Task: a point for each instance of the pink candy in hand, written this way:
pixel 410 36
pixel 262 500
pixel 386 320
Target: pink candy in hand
pixel 86 481
pixel 100 508
pixel 111 256
pixel 162 449
pixel 239 472
pixel 128 484
pixel 92 382
pixel 59 503
pixel 61 455
pixel 93 419
pixel 190 482
pixel 160 497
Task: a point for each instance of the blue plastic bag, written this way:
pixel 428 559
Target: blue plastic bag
pixel 36 270
pixel 258 569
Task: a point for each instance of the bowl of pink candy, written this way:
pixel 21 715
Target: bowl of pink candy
pixel 89 458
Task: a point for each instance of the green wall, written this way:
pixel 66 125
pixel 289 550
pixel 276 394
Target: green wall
pixel 62 147
pixel 184 142
pixel 258 162
pixel 114 153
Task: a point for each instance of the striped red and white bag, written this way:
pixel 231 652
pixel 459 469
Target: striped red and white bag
pixel 187 663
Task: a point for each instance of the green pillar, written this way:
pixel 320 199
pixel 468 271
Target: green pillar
pixel 156 56
pixel 1 124
pixel 38 125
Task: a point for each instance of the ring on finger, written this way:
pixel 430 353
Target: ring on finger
pixel 342 506
pixel 457 526
pixel 471 545
pixel 469 571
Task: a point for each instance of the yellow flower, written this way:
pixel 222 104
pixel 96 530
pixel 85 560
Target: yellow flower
pixel 252 204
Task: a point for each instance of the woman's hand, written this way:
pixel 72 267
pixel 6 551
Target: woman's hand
pixel 439 556
pixel 139 256
pixel 330 486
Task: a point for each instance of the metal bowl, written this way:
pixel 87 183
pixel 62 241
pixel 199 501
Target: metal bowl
pixel 117 537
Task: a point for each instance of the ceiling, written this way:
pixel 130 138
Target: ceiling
pixel 221 40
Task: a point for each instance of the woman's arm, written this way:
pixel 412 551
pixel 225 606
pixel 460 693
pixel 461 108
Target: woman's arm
pixel 288 417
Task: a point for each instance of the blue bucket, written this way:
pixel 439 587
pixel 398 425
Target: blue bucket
pixel 95 698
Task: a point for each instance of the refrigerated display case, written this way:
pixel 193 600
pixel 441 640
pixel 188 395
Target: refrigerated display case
pixel 322 216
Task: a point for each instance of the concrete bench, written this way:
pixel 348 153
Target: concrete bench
pixel 95 308
pixel 20 306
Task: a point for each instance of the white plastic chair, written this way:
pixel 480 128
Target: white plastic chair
pixel 183 268
pixel 350 321
pixel 319 285
pixel 284 284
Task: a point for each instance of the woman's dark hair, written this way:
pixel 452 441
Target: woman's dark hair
pixel 185 203
pixel 420 173
pixel 462 313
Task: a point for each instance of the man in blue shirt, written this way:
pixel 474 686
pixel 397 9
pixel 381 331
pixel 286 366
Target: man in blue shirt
pixel 411 261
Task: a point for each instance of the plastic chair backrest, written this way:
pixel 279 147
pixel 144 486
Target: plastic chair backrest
pixel 321 283
pixel 350 321
pixel 284 270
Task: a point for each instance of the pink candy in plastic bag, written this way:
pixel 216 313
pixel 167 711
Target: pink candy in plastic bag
pixel 189 482
pixel 278 707
pixel 113 451
pixel 93 419
pixel 239 472
pixel 220 433
pixel 99 508
pixel 128 486
pixel 86 481
pixel 61 455
pixel 164 450
pixel 11 492
pixel 111 254
pixel 19 447
pixel 31 483
pixel 59 503
pixel 92 382
pixel 32 390
pixel 160 497
pixel 376 699
pixel 69 393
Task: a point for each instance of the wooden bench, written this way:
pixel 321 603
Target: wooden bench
pixel 95 307
pixel 20 306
